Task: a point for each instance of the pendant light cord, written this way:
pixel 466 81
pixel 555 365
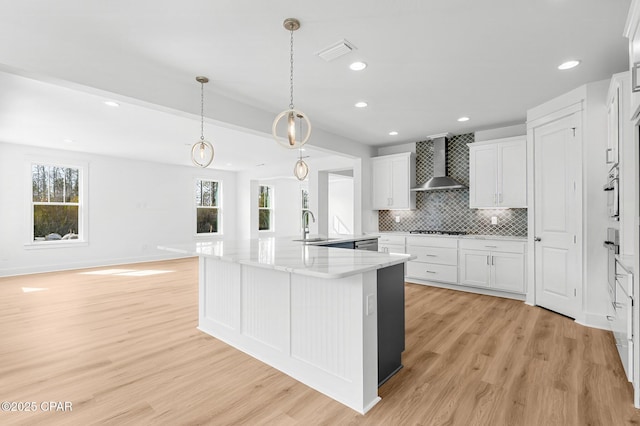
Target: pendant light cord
pixel 291 75
pixel 201 111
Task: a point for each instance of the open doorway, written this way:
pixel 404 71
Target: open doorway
pixel 340 203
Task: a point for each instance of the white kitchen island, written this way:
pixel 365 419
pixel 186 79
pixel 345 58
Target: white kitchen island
pixel 312 312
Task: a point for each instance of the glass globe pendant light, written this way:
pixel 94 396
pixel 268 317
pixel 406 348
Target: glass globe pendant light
pixel 301 170
pixel 294 118
pixel 202 151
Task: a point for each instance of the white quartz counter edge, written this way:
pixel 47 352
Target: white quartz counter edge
pixel 292 257
pixel 468 236
pixel 336 240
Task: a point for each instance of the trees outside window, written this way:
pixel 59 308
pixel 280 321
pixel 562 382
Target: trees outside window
pixel 265 208
pixel 208 207
pixel 55 202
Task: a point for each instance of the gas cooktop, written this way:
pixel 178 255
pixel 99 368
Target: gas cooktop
pixel 435 232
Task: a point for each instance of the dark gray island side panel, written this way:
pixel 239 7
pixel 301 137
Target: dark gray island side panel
pixel 390 321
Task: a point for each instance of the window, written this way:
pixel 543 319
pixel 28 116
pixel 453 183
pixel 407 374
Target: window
pixel 305 206
pixel 208 207
pixel 56 203
pixel 265 208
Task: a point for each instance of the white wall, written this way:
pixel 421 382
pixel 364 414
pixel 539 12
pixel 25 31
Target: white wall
pixel 287 204
pixel 133 206
pixel 595 200
pixel 500 132
pixel 397 149
pixel 340 205
pixel 317 182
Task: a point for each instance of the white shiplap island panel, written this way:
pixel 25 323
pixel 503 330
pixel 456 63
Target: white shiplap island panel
pixel 310 312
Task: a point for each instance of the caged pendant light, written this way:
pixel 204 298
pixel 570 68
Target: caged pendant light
pixel 202 151
pixel 295 119
pixel 301 170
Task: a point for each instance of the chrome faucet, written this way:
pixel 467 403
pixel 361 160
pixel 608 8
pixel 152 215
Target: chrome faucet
pixel 305 229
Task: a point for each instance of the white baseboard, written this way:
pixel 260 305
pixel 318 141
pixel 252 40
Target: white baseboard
pixel 594 321
pixel 476 290
pixel 37 269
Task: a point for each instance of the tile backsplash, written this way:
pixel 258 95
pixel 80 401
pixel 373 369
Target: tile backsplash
pixel 449 210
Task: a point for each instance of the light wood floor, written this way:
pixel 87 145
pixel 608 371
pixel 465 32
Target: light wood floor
pixel 125 350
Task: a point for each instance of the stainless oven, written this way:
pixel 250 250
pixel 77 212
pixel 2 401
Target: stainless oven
pixel 613 193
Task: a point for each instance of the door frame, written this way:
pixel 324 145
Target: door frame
pixel 544 119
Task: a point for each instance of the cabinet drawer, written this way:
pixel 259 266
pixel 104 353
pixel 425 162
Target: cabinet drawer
pixel 432 242
pixel 432 272
pixel 390 248
pixel 493 245
pixel 438 255
pixel 391 239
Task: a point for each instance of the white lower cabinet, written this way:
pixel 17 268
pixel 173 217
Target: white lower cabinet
pixel 498 265
pixel 437 259
pixel 391 244
pixel 432 272
pixel 390 248
pixel 474 268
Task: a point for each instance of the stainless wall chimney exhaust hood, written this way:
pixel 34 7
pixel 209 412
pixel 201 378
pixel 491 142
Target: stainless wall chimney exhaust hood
pixel 440 180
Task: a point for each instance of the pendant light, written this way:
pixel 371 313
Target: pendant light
pixel 202 151
pixel 294 118
pixel 301 170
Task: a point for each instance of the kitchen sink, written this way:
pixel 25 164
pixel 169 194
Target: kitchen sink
pixel 315 240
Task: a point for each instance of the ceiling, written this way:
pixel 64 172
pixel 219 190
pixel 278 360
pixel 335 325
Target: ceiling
pixel 429 62
pixel 48 115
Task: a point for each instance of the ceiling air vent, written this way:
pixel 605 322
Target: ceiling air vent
pixel 336 50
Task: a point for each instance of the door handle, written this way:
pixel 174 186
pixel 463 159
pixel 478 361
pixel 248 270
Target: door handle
pixel 488 260
pixel 537 239
pixel 610 318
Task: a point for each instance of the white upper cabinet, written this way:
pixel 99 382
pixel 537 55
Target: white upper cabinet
pixel 632 32
pixel 393 176
pixel 498 173
pixel 613 121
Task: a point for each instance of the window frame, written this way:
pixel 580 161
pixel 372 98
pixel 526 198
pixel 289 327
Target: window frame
pixel 270 208
pixel 218 207
pixel 304 205
pixel 83 203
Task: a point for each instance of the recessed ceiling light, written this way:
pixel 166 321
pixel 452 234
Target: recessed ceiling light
pixel 358 66
pixel 111 103
pixel 393 133
pixel 568 65
pixel 361 104
pixel 229 164
pixel 67 140
pixel 463 119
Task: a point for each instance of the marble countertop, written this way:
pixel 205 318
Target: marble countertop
pixel 467 236
pixel 283 254
pixel 334 240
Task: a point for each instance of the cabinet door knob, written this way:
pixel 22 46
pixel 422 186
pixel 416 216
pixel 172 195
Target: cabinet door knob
pixel 537 239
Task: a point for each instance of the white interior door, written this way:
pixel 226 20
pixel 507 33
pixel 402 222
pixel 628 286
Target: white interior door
pixel 558 218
